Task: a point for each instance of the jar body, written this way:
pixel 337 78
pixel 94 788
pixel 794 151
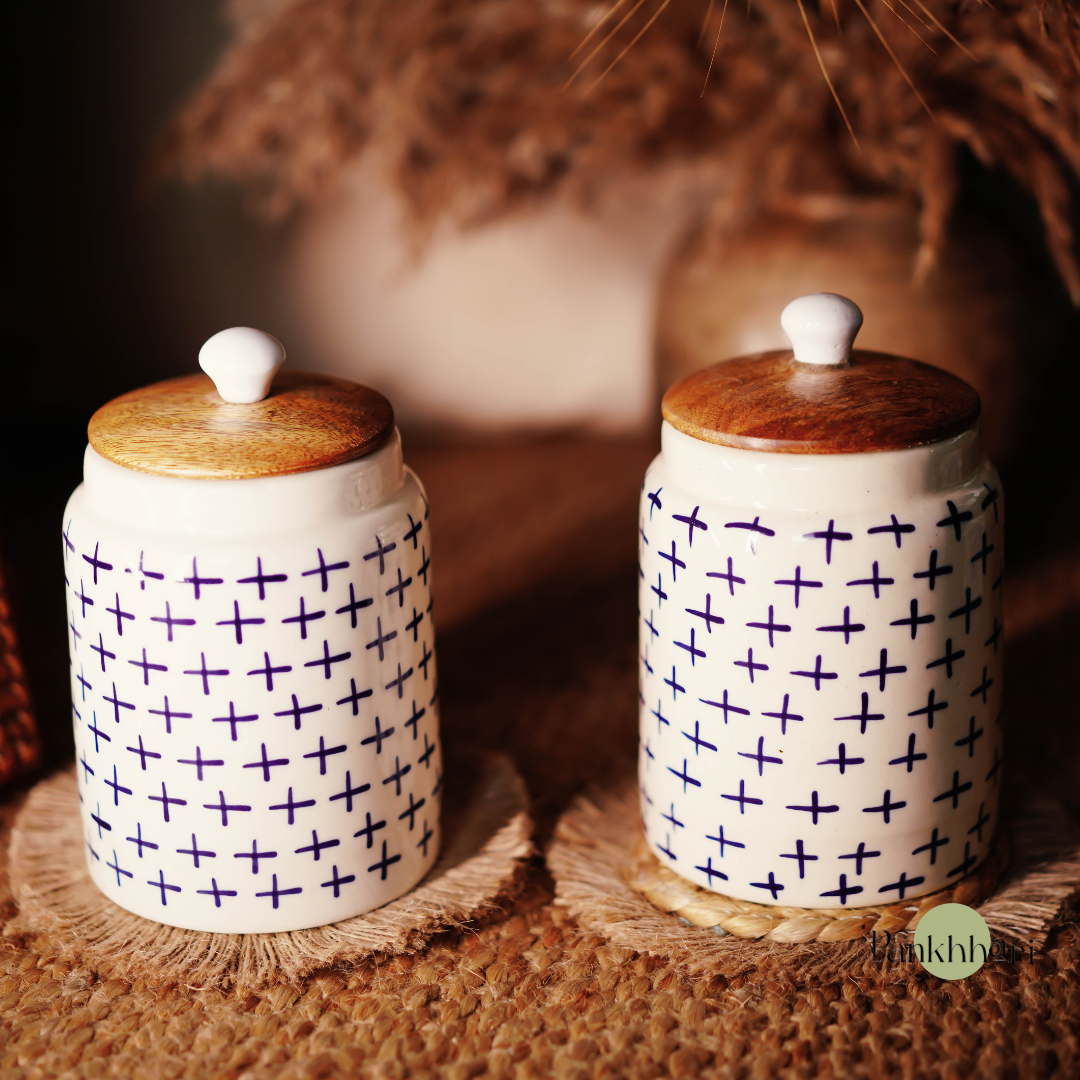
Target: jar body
pixel 820 669
pixel 254 692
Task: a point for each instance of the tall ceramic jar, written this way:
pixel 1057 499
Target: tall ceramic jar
pixel 254 690
pixel 821 618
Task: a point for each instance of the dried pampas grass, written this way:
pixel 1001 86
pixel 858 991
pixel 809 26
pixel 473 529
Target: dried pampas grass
pixel 485 106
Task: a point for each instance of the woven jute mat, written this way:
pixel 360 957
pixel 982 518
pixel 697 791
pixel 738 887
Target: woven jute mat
pixel 524 992
pixel 611 883
pixel 486 839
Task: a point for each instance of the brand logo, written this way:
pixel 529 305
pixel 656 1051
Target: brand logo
pixel 952 941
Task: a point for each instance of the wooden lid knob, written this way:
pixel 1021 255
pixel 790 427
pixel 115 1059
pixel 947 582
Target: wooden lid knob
pixel 248 420
pixel 821 397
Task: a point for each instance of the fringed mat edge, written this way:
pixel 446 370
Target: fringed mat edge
pixel 483 858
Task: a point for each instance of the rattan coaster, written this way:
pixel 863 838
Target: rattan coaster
pixel 613 884
pixel 486 843
pixel 745 919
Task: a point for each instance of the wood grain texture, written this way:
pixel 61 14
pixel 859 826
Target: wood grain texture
pixel 768 402
pixel 181 427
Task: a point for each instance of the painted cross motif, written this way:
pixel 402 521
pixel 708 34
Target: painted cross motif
pixel 914 620
pixel 829 535
pixel 351 608
pixel 966 609
pixel 858 855
pixel 783 715
pixel 707 615
pixel 894 527
pixel 324 569
pixel 761 757
pixel 886 807
pixel 864 716
pixel 955 519
pixel 875 581
pixel 691 521
pixel 842 760
pixel 379 553
pixel 883 670
pixel 676 563
pixel 197 582
pixel 729 576
pixel 316 846
pixel 291 806
pixel 911 756
pixel 96 563
pixel 817 674
pixel 726 707
pixel 323 753
pixel 414 531
pixel 802 858
pixel 933 572
pixel 303 617
pixel 843 890
pixel 262 580
pixel 691 649
pixel 751 526
pixel 771 627
pixel 814 808
pixel 847 628
pixel 170 622
pixel 799 583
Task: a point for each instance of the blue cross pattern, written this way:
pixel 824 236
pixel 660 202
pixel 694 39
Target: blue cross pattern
pixel 258 727
pixel 821 687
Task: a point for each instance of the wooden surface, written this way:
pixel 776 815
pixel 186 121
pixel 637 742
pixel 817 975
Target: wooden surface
pixel 768 402
pixel 181 427
pixel 508 516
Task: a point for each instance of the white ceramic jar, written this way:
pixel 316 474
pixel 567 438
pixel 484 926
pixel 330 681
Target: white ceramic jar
pixel 821 627
pixel 253 675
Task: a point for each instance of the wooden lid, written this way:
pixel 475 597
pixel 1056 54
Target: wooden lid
pixel 183 427
pixel 772 402
pixel 822 397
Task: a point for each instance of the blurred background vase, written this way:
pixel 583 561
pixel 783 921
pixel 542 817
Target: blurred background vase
pixel 980 311
pixel 538 320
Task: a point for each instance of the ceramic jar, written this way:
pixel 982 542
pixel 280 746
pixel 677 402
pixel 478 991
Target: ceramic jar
pixel 253 674
pixel 821 619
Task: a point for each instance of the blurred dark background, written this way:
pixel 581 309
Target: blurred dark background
pixel 112 280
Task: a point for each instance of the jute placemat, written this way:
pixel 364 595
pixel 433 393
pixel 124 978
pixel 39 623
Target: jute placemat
pixel 486 842
pixel 612 886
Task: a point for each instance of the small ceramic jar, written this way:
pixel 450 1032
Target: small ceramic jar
pixel 821 619
pixel 253 675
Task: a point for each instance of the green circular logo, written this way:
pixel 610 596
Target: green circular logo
pixel 952 941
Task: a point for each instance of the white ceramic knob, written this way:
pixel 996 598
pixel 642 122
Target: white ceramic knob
pixel 821 327
pixel 242 362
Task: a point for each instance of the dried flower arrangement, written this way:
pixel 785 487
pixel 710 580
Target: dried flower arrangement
pixel 484 106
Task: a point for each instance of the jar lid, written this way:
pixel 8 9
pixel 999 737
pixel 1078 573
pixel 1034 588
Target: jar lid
pixel 243 419
pixel 821 396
